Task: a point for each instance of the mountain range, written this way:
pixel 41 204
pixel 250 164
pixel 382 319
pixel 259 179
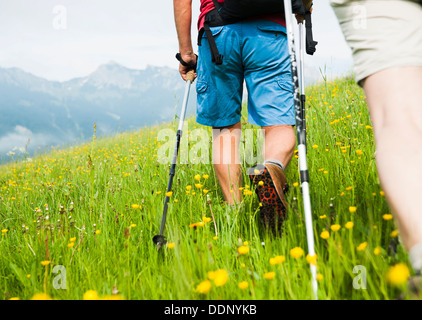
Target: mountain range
pixel 114 97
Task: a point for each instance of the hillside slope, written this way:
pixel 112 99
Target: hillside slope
pixel 94 209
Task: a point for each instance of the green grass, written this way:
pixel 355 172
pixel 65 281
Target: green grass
pixel 97 184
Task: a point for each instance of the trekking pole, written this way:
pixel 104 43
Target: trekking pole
pixel 160 239
pixel 302 81
pixel 304 174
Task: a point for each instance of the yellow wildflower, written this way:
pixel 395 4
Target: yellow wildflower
pixel 269 275
pixel 248 192
pixel 91 295
pixel 71 244
pixel 295 184
pixel 204 287
pixel 243 285
pixel 135 206
pixel 398 274
pixel 72 239
pixel 377 251
pixel 387 216
pixel 243 250
pixel 335 227
pixel 352 209
pixel 45 263
pixel 324 235
pixel 311 259
pixel 319 276
pixel 362 246
pixel 394 233
pixel 41 296
pixel 349 225
pixel 277 260
pixel 169 194
pixel 188 187
pixel 296 252
pixel 197 177
pixel 220 277
pixel 171 245
pixel 205 176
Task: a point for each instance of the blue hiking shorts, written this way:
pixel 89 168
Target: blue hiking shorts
pixel 254 51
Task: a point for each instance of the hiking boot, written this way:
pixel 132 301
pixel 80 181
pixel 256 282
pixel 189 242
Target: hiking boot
pixel 270 185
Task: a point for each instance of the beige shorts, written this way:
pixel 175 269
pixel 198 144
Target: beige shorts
pixel 381 33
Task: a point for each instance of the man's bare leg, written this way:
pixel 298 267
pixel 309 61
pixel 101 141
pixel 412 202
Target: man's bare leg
pixel 226 161
pixel 280 143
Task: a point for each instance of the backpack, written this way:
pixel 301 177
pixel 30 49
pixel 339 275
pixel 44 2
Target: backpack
pixel 233 11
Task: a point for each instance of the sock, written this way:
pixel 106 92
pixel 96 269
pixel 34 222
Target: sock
pixel 275 162
pixel 415 255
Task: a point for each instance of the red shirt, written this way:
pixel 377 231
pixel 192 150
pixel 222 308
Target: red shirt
pixel 208 5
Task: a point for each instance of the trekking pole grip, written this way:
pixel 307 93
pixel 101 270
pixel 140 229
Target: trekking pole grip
pixel 190 76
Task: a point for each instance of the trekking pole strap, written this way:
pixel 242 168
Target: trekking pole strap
pixel 185 64
pixel 310 43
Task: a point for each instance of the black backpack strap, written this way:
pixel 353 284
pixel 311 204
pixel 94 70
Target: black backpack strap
pixel 310 43
pixel 212 19
pixel 218 5
pixel 216 57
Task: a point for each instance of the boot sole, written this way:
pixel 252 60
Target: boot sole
pixel 272 210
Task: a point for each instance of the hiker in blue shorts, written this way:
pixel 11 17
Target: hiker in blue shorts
pixel 255 50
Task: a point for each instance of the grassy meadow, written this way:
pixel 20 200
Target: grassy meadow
pixel 89 213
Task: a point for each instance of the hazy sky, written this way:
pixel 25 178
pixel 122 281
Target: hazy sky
pixel 60 40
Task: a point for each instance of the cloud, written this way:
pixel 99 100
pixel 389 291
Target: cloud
pixel 21 138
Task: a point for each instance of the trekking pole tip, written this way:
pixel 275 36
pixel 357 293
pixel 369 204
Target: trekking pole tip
pixel 159 240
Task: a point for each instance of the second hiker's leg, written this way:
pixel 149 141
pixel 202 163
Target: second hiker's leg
pixel 394 99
